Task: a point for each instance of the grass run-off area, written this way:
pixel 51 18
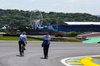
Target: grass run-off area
pixel 16 38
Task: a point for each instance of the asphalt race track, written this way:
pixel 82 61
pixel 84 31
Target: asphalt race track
pixel 34 53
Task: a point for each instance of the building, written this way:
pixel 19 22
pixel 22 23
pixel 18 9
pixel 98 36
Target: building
pixel 80 27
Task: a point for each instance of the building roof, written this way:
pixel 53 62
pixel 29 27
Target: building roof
pixel 83 23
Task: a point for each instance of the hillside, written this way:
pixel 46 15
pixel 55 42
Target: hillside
pixel 20 18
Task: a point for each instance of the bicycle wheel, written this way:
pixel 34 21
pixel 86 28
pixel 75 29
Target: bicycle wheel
pixel 22 50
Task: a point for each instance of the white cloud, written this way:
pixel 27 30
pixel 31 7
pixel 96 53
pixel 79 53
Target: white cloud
pixel 70 1
pixel 55 5
pixel 31 0
pixel 73 0
pixel 4 4
pixel 89 6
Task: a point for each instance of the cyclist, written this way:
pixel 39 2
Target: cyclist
pixel 22 40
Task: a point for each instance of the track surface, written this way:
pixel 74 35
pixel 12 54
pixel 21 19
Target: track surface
pixel 34 53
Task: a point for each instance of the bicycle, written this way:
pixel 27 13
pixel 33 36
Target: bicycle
pixel 22 50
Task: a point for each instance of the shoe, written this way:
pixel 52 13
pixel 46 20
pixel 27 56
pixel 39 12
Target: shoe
pixel 46 57
pixel 20 55
pixel 24 49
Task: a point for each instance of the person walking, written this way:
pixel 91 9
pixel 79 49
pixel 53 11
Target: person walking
pixel 45 44
pixel 22 40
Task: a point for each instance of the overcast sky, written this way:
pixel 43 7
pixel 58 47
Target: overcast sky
pixel 66 6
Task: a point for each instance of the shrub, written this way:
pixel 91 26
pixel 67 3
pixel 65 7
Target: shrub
pixel 70 40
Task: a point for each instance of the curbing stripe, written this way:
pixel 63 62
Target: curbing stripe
pixel 87 62
pixel 67 61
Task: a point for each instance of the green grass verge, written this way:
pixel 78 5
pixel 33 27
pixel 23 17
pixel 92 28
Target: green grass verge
pixel 15 38
pixel 70 40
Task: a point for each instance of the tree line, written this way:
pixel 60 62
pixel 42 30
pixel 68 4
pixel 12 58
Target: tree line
pixel 21 18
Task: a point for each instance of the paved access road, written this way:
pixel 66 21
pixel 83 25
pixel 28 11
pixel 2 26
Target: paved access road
pixel 33 54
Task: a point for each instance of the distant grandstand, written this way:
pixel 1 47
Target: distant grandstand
pixel 80 27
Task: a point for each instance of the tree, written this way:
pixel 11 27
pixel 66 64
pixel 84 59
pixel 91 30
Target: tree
pixel 22 18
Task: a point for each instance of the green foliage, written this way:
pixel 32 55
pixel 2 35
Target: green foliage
pixel 20 18
pixel 73 33
pixel 67 34
pixel 70 40
pixel 14 18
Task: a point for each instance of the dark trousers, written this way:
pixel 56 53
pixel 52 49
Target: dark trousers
pixel 45 49
pixel 20 42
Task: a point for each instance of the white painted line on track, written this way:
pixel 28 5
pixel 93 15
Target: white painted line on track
pixel 65 59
